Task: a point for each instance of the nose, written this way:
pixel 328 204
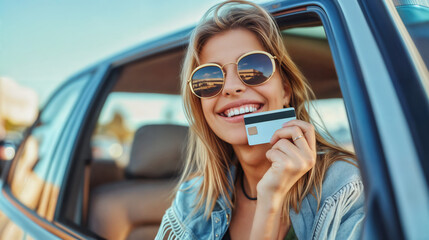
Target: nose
pixel 233 85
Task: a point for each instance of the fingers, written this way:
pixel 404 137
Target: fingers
pixel 307 129
pixel 285 155
pixel 281 160
pixel 292 155
pixel 286 147
pixel 296 140
pixel 294 134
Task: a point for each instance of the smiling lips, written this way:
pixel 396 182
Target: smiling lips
pixel 243 109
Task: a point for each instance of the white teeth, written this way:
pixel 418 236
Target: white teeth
pixel 241 110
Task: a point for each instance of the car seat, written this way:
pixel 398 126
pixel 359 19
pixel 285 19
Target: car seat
pixel 133 208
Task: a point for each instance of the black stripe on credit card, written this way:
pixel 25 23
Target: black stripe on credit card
pixel 269 117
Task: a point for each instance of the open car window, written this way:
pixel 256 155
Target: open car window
pixel 309 48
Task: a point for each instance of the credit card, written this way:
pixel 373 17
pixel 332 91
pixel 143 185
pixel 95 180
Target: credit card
pixel 261 126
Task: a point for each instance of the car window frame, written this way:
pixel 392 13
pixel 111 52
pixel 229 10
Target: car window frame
pixel 78 158
pixel 400 81
pixel 409 76
pixel 366 140
pixel 105 84
pixel 101 72
pixel 410 80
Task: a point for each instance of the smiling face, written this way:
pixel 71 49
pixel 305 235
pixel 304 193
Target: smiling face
pixel 224 113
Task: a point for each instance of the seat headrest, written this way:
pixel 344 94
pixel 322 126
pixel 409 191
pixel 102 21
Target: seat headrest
pixel 157 151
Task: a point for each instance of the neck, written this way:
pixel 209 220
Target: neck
pixel 254 164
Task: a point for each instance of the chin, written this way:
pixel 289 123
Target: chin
pixel 236 140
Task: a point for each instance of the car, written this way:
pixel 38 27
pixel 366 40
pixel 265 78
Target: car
pixel 102 159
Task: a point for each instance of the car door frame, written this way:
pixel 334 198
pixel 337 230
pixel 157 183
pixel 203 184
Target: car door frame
pixel 372 140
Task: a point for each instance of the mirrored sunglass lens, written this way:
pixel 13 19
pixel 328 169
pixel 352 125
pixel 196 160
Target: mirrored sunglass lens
pixel 255 69
pixel 207 81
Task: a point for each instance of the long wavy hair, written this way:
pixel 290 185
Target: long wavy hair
pixel 208 156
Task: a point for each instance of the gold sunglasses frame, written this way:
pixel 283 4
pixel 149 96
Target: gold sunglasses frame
pixel 272 58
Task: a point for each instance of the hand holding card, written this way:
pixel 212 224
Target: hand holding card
pixel 261 126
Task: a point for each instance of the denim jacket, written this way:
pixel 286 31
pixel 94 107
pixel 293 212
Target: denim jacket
pixel 340 214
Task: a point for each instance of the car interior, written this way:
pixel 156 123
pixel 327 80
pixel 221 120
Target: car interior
pixel 124 187
pixel 139 199
pixel 138 193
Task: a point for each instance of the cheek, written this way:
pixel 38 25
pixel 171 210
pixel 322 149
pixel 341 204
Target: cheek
pixel 282 90
pixel 208 108
pixel 279 82
pixel 274 91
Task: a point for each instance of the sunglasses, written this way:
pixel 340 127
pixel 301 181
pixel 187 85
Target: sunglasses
pixel 254 68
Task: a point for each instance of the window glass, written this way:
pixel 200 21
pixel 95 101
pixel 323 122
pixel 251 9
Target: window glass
pixel 328 111
pixel 33 178
pixel 331 121
pixel 123 114
pixel 415 16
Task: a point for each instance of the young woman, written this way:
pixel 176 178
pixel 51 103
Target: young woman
pixel 298 185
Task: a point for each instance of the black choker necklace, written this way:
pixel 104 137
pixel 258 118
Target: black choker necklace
pixel 244 191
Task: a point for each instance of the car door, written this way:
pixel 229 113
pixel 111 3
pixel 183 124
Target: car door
pixel 394 77
pixel 384 82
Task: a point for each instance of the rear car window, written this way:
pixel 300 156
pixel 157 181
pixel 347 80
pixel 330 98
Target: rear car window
pixel 123 114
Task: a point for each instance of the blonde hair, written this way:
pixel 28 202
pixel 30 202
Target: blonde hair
pixel 208 156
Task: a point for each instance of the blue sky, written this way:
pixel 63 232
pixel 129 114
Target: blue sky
pixel 43 42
